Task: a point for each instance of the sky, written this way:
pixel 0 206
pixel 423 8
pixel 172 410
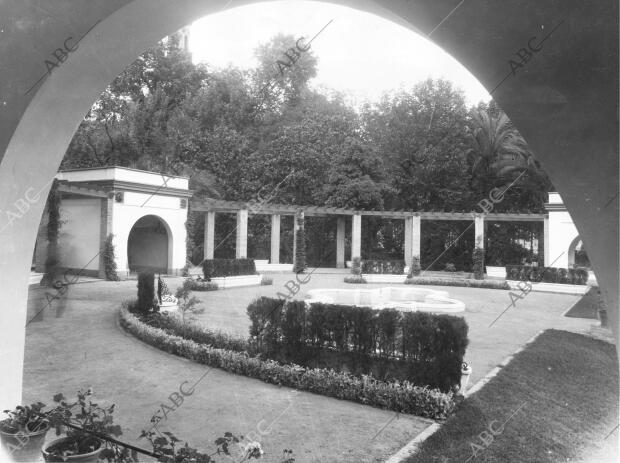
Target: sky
pixel 359 53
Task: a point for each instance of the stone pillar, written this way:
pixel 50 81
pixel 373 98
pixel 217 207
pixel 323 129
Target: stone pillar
pixel 275 239
pixel 209 238
pixel 356 236
pixel 479 231
pixel 241 245
pixel 105 228
pixel 547 254
pixel 412 238
pixel 340 230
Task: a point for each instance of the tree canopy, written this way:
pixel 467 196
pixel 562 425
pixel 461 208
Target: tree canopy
pixel 241 133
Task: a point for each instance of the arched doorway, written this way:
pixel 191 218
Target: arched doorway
pixel 577 255
pixel 148 245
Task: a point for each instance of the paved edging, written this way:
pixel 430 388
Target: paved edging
pixel 412 447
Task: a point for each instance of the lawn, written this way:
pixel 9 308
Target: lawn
pixel 557 401
pixel 587 306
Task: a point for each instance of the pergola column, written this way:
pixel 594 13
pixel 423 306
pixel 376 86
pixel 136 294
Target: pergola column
pixel 356 236
pixel 241 244
pixel 275 239
pixel 340 230
pixel 479 231
pixel 209 238
pixel 412 238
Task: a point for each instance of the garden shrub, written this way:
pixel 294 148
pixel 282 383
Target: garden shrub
pixel 478 267
pixel 578 276
pixel 450 267
pixel 383 266
pixel 265 316
pixel 146 292
pixel 300 246
pixel 213 268
pixel 356 266
pixel 200 285
pixel 402 397
pixel 385 343
pixel 415 268
pixel 355 279
pixel 109 259
pixel 464 282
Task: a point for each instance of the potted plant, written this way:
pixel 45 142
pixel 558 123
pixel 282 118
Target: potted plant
pixel 83 422
pixel 22 434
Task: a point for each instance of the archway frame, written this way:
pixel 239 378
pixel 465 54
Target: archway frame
pixel 169 242
pixel 559 114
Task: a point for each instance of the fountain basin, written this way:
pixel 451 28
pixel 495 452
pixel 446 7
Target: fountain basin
pixel 404 299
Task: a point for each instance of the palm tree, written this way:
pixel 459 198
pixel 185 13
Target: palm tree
pixel 499 153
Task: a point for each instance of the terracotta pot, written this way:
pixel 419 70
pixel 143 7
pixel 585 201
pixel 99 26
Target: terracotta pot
pixel 25 446
pixel 90 457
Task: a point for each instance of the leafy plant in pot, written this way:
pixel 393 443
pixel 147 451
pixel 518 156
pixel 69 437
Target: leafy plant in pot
pixel 83 421
pixel 22 434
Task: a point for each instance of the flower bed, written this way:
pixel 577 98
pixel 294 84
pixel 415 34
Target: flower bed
pixel 383 266
pixel 201 285
pixel 571 276
pixel 400 397
pixel 468 283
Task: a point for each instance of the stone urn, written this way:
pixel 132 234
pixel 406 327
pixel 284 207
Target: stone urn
pixel 465 375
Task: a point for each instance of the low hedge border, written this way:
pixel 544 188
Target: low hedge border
pixel 467 283
pixel 197 285
pixel 355 279
pixel 400 397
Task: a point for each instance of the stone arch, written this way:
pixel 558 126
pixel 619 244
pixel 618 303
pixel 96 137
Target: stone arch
pixel 552 104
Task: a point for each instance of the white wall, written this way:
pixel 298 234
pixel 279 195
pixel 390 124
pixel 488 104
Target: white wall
pixel 137 205
pixel 79 234
pixel 562 232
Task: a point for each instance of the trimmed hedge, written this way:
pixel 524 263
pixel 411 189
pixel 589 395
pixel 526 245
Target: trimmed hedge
pixel 146 292
pixel 355 279
pixel 570 276
pixel 197 285
pixel 212 268
pixel 465 282
pixel 383 266
pixel 426 349
pixel 400 397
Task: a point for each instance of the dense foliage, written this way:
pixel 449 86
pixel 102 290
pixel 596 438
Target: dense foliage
pixel 402 397
pixel 146 292
pixel 570 276
pixel 383 266
pixel 212 268
pixel 465 282
pixel 425 349
pixel 248 134
pixel 109 259
pixel 478 268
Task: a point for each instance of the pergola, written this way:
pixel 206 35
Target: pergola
pixel 412 220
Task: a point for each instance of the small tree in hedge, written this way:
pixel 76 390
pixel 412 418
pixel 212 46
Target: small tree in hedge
pixel 478 268
pixel 109 259
pixel 53 228
pixel 146 292
pixel 187 302
pixel 300 246
pixel 414 268
pixel 356 266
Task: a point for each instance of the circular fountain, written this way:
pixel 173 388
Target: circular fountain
pixel 404 299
